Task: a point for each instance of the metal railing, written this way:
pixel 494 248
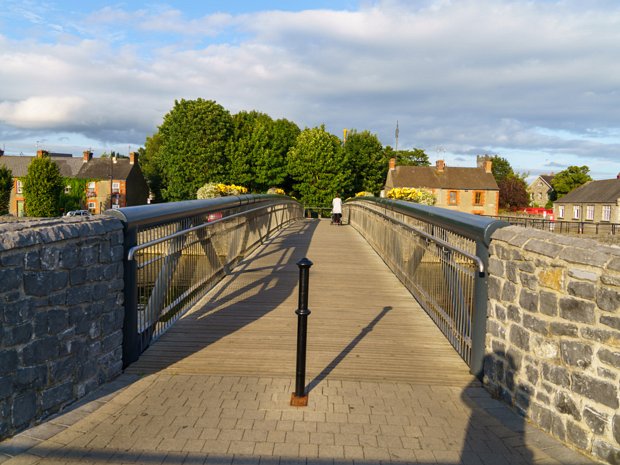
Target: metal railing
pixel 176 252
pixel 587 228
pixel 441 256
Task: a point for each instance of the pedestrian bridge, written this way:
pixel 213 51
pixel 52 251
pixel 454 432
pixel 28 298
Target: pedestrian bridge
pixel 395 348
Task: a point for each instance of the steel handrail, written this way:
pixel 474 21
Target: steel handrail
pixel 132 251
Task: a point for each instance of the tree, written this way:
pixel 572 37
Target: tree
pixel 414 157
pixel 500 168
pixel 150 165
pixel 43 185
pixel 366 161
pixel 569 179
pixel 6 184
pixel 317 166
pixel 192 147
pixel 513 192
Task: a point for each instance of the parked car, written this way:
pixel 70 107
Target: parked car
pixel 78 213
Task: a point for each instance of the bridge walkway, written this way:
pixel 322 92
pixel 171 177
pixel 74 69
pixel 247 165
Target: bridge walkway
pixel 384 385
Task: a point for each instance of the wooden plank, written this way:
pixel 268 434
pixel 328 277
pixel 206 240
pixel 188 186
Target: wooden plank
pixel 364 324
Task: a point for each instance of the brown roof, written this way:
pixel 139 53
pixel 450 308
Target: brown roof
pixel 73 167
pixel 451 178
pixel 605 191
pixel 547 178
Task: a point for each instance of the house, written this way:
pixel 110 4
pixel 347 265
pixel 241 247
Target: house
pixel 595 201
pixel 470 190
pixel 111 182
pixel 541 190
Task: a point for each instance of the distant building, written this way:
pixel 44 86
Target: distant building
pixel 541 190
pixel 113 183
pixel 595 201
pixel 470 190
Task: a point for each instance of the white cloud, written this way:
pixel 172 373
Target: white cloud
pixel 42 112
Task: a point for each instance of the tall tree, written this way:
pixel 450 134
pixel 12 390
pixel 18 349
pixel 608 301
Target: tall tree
pixel 43 185
pixel 414 157
pixel 273 171
pixel 150 165
pixel 192 150
pixel 317 167
pixel 513 192
pixel 6 184
pixel 500 167
pixel 569 179
pixel 366 161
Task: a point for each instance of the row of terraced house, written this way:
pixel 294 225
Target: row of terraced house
pixel 110 182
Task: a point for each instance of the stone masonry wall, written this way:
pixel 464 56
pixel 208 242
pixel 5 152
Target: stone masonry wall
pixel 553 335
pixel 61 314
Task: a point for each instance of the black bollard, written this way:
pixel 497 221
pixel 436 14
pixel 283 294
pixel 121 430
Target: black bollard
pixel 299 397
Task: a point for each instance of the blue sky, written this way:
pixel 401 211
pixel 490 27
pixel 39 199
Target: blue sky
pixel 535 82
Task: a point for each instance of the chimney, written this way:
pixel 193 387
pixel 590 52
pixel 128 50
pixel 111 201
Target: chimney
pixel 488 164
pixel 87 156
pixel 392 164
pixel 42 153
pixel 441 166
pixel 133 158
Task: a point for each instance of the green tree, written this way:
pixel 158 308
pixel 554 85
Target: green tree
pixel 569 179
pixel 500 168
pixel 513 192
pixel 272 171
pixel 6 184
pixel 414 157
pixel 192 147
pixel 43 185
pixel 73 196
pixel 150 165
pixel 366 161
pixel 317 167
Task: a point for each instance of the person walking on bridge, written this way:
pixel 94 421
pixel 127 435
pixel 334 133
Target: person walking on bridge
pixel 336 210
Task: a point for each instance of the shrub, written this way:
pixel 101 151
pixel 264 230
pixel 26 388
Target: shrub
pixel 218 189
pixel 411 194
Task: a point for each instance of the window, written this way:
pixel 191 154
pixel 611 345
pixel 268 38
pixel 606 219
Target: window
pixel 478 198
pixel 91 186
pixel 116 187
pixel 453 198
pixel 576 212
pixel 590 212
pixel 92 206
pixel 67 189
pixel 606 213
pixel 20 187
pixel 561 211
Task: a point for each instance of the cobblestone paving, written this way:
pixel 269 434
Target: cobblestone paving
pixel 202 419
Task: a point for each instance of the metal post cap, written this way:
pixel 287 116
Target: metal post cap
pixel 304 263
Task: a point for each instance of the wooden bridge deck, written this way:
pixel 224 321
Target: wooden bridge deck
pixel 364 325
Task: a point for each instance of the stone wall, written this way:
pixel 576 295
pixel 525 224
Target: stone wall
pixel 61 314
pixel 553 335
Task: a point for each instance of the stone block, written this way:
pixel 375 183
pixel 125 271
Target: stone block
pixel 50 258
pixel 89 255
pixel 577 435
pixel 32 260
pixel 63 369
pixel 24 410
pixel 563 329
pixel 8 360
pixel 546 350
pixel 609 337
pixel 69 256
pixel 6 387
pixel 548 303
pixel 528 300
pixel 608 299
pixel 611 280
pixel 551 278
pixel 514 313
pixel 611 321
pixel 43 282
pixel 605 373
pixel 616 428
pixel 576 354
pixel 599 391
pixel 584 256
pixel 577 310
pixel 584 275
pixel 605 451
pixel 500 312
pixel 529 280
pixel 509 292
pixel 79 295
pixel 512 272
pixel 496 329
pixel 583 290
pixel 12 260
pixel 520 337
pixel 596 421
pixel 548 249
pixel 566 405
pixel 16 335
pixel 609 358
pixel 10 278
pixel 55 397
pixel 78 276
pixel 532 374
pixel 556 375
pixel 535 324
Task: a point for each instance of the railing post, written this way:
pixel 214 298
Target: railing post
pixel 479 316
pixel 131 340
pixel 299 397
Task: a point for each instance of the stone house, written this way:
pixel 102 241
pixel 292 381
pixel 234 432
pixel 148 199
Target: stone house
pixel 469 190
pixel 541 190
pixel 112 182
pixel 595 201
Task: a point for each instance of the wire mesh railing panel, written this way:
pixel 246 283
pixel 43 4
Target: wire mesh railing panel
pixel 439 265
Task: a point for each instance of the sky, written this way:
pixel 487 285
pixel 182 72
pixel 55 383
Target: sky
pixel 536 82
